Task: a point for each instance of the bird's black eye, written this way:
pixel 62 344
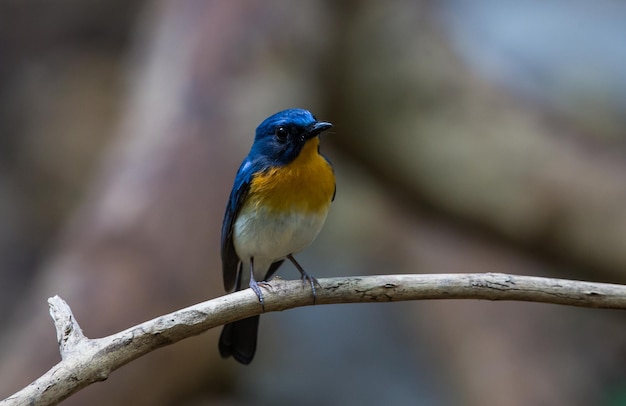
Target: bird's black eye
pixel 281 133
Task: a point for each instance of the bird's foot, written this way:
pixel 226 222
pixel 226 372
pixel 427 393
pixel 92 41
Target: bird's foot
pixel 305 276
pixel 256 288
pixel 313 281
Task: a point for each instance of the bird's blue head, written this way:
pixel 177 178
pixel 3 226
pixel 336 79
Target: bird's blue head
pixel 280 137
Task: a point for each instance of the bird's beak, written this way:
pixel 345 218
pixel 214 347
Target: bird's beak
pixel 316 128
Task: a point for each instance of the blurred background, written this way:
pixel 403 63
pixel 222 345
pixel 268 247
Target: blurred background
pixel 470 136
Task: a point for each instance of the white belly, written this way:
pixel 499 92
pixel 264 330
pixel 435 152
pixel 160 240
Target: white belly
pixel 266 237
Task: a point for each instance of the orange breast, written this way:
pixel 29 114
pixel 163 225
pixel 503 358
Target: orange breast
pixel 306 184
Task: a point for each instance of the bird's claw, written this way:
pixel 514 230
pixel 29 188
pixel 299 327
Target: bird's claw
pixel 256 288
pixel 313 281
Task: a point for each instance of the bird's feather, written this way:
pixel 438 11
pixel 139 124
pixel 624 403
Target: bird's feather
pixel 230 260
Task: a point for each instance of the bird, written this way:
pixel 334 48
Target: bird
pixel 278 204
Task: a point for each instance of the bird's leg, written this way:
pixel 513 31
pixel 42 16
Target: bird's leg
pixel 305 276
pixel 255 286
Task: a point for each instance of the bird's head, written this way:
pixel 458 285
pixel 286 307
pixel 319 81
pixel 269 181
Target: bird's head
pixel 280 137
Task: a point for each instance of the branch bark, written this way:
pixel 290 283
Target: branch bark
pixel 85 361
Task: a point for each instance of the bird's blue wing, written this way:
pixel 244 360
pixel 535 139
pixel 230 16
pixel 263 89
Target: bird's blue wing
pixel 230 260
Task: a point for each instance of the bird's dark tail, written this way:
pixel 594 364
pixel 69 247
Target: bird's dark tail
pixel 238 340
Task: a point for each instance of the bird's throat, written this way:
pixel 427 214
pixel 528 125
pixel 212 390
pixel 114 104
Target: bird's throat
pixel 306 184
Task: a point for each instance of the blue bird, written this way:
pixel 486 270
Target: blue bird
pixel 278 205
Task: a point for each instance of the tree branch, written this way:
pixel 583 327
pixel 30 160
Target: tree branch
pixel 85 360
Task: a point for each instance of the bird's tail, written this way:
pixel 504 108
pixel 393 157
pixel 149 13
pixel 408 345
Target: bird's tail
pixel 238 340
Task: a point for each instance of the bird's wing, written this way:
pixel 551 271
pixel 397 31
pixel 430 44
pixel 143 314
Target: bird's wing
pixel 230 260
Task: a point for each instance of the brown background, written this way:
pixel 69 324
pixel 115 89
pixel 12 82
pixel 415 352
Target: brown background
pixel 122 124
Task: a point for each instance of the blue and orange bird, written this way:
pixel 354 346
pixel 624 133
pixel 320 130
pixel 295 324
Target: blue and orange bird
pixel 278 204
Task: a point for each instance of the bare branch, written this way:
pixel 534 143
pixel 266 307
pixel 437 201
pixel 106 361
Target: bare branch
pixel 85 360
pixel 69 334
